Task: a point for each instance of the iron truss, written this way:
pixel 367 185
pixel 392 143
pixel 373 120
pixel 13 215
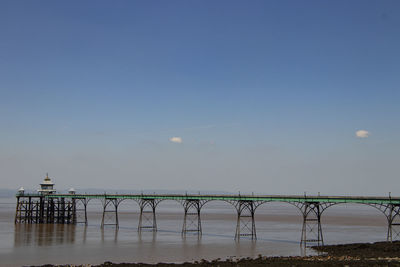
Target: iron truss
pixel 192 218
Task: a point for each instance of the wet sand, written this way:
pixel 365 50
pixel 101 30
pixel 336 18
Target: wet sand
pixel 360 254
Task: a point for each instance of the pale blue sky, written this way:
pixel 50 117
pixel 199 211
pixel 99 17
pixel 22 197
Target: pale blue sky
pixel 266 95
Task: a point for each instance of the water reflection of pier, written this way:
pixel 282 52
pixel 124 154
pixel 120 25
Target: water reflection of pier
pixel 44 234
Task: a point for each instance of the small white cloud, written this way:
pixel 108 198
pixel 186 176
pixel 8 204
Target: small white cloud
pixel 176 139
pixel 362 134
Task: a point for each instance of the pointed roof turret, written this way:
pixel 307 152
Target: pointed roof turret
pixel 47 180
pixel 46 187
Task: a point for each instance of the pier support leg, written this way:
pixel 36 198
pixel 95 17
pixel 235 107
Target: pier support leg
pixel 147 218
pixel 50 211
pixel 72 211
pixel 110 212
pixel 79 214
pixel 29 214
pixel 60 214
pixel 29 209
pixel 19 211
pixel 245 225
pixel 312 230
pixel 191 219
pixel 35 210
pixel 393 222
pixel 42 213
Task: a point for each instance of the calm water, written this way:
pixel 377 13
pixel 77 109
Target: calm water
pixel 278 232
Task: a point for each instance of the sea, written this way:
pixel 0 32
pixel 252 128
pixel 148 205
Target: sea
pixel 278 227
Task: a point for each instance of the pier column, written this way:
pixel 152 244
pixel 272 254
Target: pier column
pixel 79 214
pixel 60 206
pixel 19 210
pixel 110 212
pixel 312 230
pixel 29 213
pixel 42 212
pixel 245 225
pixel 72 211
pixel 37 211
pixel 393 222
pixel 147 218
pixel 191 219
pixel 50 211
pixel 28 209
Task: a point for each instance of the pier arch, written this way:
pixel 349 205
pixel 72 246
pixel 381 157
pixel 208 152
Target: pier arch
pixel 391 212
pixel 219 210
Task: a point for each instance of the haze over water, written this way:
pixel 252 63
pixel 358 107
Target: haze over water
pixel 278 230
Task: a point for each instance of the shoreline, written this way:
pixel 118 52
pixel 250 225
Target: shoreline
pixel 356 254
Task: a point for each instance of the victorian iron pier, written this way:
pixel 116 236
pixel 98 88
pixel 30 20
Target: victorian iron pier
pixel 72 209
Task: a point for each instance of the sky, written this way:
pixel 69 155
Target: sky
pixel 271 97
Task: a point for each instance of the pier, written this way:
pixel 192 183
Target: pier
pixel 49 207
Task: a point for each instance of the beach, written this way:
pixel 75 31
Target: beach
pixel 359 254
